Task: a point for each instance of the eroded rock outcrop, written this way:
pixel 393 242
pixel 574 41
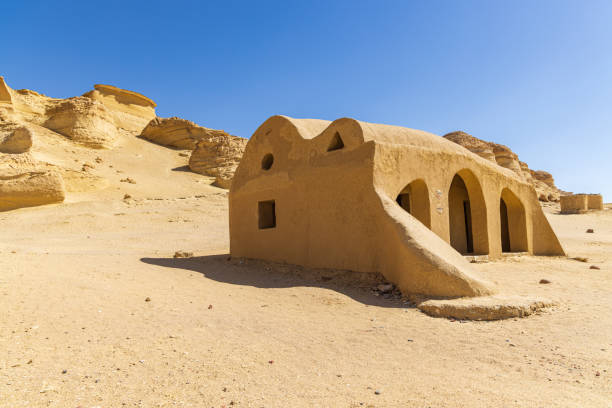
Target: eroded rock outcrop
pixel 19 141
pixel 29 175
pixel 30 189
pixel 84 121
pixel 177 132
pixel 43 141
pixel 215 153
pixel 131 111
pixel 542 181
pixel 218 156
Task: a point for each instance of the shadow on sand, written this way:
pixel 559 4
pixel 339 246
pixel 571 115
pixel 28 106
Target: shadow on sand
pixel 182 168
pixel 260 274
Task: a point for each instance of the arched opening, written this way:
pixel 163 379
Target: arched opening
pixel 414 198
pixel 336 143
pixel 267 161
pixel 513 223
pixel 467 215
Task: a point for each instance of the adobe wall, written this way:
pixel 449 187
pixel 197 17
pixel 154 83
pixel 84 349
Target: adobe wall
pixel 574 204
pixel 595 202
pixel 397 166
pixel 338 209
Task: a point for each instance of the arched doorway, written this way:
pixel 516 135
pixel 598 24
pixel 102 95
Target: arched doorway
pixel 513 223
pixel 467 215
pixel 414 198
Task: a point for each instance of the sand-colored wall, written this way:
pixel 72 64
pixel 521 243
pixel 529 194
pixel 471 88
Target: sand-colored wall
pixel 338 209
pixel 574 204
pixel 595 202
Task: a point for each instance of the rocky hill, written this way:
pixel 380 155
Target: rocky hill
pixel 215 153
pixel 51 147
pixel 542 181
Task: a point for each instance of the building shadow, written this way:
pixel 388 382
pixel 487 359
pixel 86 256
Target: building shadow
pixel 261 274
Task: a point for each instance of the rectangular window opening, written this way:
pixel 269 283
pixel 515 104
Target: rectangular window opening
pixel 267 214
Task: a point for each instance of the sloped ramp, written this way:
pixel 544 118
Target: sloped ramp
pixel 420 262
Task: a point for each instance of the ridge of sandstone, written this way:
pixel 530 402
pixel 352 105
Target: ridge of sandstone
pixel 47 145
pixel 215 153
pixel 541 180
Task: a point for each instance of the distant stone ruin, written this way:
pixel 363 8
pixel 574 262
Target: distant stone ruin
pixel 581 203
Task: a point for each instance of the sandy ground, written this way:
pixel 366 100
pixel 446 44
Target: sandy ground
pixel 76 329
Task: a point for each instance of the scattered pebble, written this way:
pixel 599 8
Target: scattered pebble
pixel 64 371
pixel 148 299
pixel 385 287
pixel 590 231
pixel 544 281
pixel 128 180
pixel 580 259
pixel 594 267
pixel 210 307
pixel 271 362
pixel 127 196
pixel 183 254
pixel 377 392
pixel 183 154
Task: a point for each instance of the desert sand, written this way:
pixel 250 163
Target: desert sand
pixel 96 312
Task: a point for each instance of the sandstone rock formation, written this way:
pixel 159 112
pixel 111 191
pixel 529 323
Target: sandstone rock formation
pixel 29 173
pixel 542 181
pixel 30 189
pixel 42 139
pixel 84 121
pixel 215 152
pixel 131 111
pixel 218 157
pixel 177 132
pixel 19 141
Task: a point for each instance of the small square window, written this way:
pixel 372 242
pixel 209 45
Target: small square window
pixel 267 214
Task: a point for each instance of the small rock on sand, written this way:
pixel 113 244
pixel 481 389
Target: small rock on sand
pixel 544 281
pixel 590 231
pixel 594 267
pixel 385 287
pixel 183 254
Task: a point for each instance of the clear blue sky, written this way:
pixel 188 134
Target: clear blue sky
pixel 533 75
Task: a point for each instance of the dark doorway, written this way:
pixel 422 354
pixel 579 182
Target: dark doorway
pixel 512 223
pixel 467 215
pixel 414 199
pixel 505 232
